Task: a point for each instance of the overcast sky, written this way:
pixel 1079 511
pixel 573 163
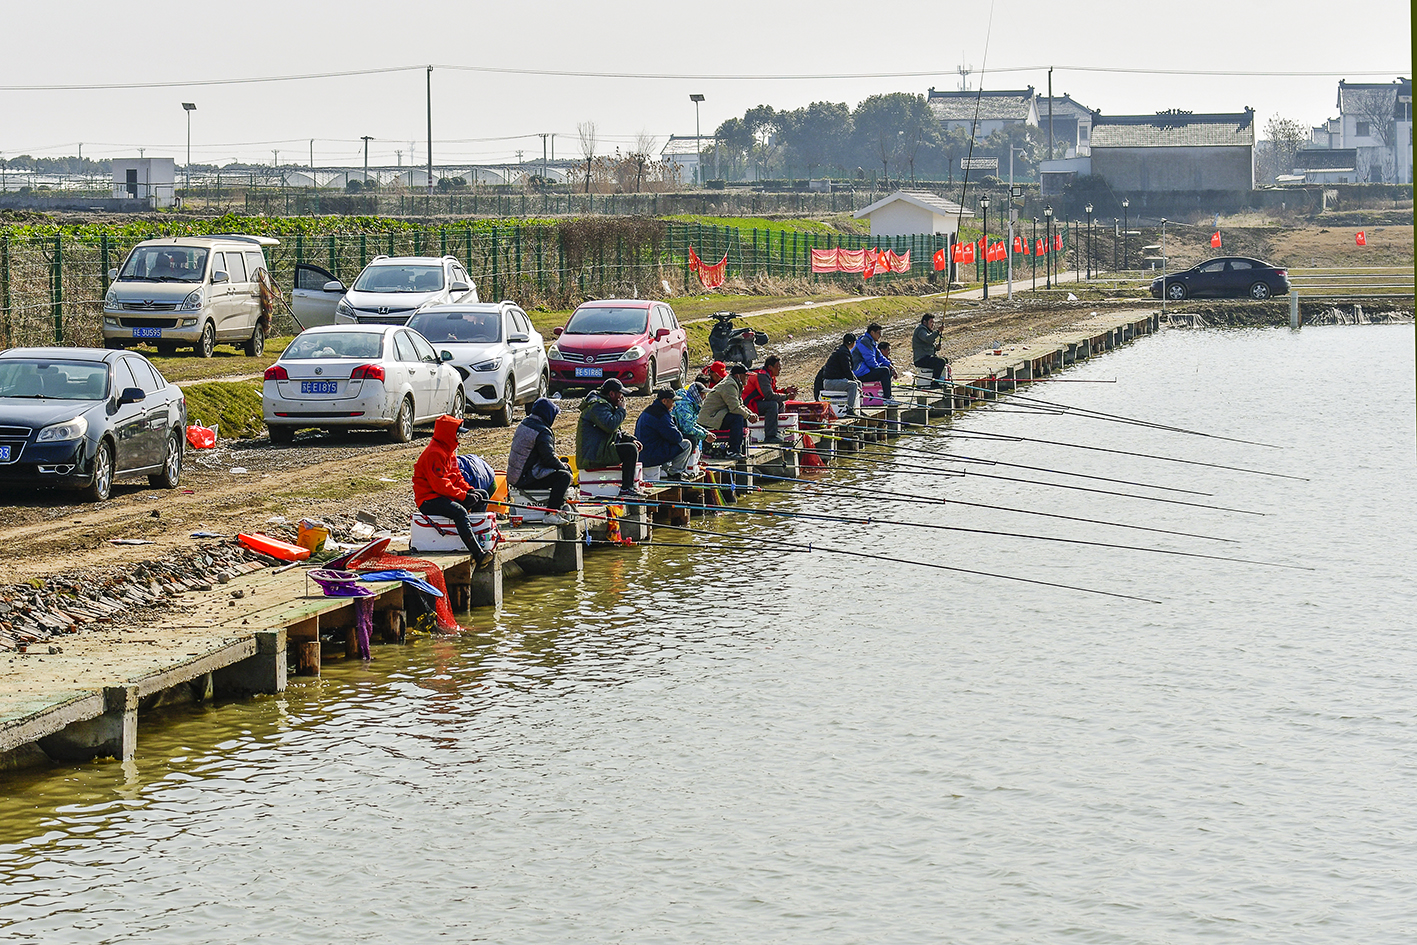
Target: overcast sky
pixel 86 42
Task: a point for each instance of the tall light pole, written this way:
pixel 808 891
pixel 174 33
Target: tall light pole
pixel 1033 240
pixel 696 98
pixel 189 108
pixel 430 131
pixel 366 139
pixel 984 205
pixel 1125 202
pixel 1088 208
pixel 1048 242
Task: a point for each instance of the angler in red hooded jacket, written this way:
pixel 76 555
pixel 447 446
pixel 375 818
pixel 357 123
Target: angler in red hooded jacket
pixel 440 489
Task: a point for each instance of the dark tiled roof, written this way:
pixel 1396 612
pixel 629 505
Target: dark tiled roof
pixel 993 106
pixel 1063 106
pixel 1325 159
pixel 1174 130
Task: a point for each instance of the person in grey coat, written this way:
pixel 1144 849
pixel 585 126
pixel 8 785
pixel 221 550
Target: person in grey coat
pixel 533 462
pixel 925 348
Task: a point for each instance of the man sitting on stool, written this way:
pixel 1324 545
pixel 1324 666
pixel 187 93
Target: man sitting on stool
pixel 762 396
pixel 724 406
pixel 663 444
pixel 836 375
pixel 925 349
pixel 440 489
pixel 533 462
pixel 866 361
pixel 599 442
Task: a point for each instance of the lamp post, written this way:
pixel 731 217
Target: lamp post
pixel 366 139
pixel 696 98
pixel 1033 245
pixel 189 108
pixel 1048 242
pixel 1124 229
pixel 984 205
pixel 1088 208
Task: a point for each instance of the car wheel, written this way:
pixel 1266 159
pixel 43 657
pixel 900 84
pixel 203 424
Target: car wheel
pixel 543 387
pixel 102 483
pixel 281 436
pixel 683 379
pixel 1175 291
pixel 503 416
pixel 402 430
pixel 1259 291
pixel 650 378
pixel 167 349
pixel 459 404
pixel 171 465
pixel 257 344
pixel 207 343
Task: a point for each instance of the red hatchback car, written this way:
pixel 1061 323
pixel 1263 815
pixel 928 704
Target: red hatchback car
pixel 637 341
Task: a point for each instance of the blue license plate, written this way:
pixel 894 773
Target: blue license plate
pixel 590 372
pixel 147 332
pixel 319 387
pixel 4 454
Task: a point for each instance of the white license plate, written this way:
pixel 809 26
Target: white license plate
pixel 319 387
pixel 4 454
pixel 590 372
pixel 147 332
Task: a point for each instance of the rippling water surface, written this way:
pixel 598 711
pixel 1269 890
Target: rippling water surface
pixel 714 746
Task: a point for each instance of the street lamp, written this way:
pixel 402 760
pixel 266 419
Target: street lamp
pixel 189 108
pixel 1088 208
pixel 1124 229
pixel 364 185
pixel 1033 244
pixel 1048 241
pixel 696 98
pixel 984 205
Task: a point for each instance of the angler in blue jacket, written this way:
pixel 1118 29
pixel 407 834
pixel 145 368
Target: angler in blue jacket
pixel 661 442
pixel 866 361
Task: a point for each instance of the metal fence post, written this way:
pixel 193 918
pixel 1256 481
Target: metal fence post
pixel 496 291
pixel 57 290
pixel 5 288
pixel 103 262
pixel 299 248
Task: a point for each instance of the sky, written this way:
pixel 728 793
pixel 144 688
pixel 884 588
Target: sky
pixel 732 52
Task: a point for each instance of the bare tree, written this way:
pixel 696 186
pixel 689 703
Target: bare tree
pixel 1286 137
pixel 642 155
pixel 586 131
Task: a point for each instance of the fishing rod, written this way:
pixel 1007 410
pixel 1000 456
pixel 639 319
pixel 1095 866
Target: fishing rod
pixel 961 458
pixel 910 498
pixel 636 544
pixel 872 520
pixel 1064 485
pixel 810 547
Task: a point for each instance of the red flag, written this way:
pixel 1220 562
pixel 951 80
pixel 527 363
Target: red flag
pixel 939 259
pixel 1039 250
pixel 1362 238
pixel 983 244
pixel 1003 250
pixel 968 253
pixel 998 252
pixel 1023 248
pixel 957 252
pixel 870 264
pixel 1018 244
pixel 1057 242
pixel 1215 240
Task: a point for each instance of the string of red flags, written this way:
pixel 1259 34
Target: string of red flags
pixel 712 276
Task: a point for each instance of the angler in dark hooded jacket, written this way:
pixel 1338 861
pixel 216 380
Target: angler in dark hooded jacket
pixel 439 487
pixel 663 444
pixel 533 462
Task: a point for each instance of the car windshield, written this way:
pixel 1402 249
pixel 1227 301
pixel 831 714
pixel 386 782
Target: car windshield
pixel 53 380
pixel 165 264
pixel 405 278
pixel 608 321
pixel 367 345
pixel 473 327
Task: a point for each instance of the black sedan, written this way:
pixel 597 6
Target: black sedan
pixel 1231 276
pixel 82 417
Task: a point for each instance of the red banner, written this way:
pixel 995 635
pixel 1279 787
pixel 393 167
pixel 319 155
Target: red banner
pixel 1057 242
pixel 939 259
pixel 1362 238
pixel 968 253
pixel 712 276
pixel 1215 240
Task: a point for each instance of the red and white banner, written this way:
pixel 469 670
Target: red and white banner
pixel 1215 240
pixel 1038 249
pixel 939 259
pixel 1362 238
pixel 868 262
pixel 1057 242
pixel 712 276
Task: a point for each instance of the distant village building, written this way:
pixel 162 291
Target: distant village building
pixel 684 151
pixel 913 212
pixel 983 113
pixel 146 178
pixel 1375 119
pixel 1071 123
pixel 1175 151
pixel 1325 166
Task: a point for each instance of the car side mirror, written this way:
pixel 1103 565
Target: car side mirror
pixel 334 285
pixel 112 274
pixel 131 395
pixel 519 337
pixel 220 276
pixel 557 331
pixel 445 355
pixel 661 334
pixel 460 286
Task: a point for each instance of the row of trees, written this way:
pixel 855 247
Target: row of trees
pixel 895 135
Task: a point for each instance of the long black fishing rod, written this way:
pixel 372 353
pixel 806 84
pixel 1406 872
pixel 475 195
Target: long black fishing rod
pixel 811 546
pixel 873 520
pixel 1073 488
pixel 1010 437
pixel 962 458
pixel 910 498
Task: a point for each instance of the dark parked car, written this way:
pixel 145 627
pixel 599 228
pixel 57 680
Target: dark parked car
pixel 82 417
pixel 1234 276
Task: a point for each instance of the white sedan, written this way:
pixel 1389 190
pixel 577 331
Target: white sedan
pixel 501 357
pixel 357 377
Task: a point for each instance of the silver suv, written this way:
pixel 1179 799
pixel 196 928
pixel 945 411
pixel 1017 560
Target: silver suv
pixel 392 288
pixel 197 291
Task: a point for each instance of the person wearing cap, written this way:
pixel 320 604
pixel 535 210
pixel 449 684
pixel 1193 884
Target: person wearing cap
pixel 534 463
pixel 762 395
pixel 440 489
pixel 599 442
pixel 716 371
pixel 724 407
pixel 925 349
pixel 866 362
pixel 837 375
pixel 663 444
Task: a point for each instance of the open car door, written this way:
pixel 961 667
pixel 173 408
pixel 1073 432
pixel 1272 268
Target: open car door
pixel 315 295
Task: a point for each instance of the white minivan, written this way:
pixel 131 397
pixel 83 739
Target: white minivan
pixel 192 291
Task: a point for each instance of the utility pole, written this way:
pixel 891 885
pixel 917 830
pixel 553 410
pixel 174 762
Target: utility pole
pixel 430 131
pixel 1088 208
pixel 544 174
pixel 1050 113
pixel 1048 241
pixel 312 160
pixel 696 98
pixel 1125 203
pixel 365 139
pixel 189 108
pixel 275 158
pixel 984 204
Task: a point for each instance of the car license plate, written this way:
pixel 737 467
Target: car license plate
pixel 319 387
pixel 147 332
pixel 590 372
pixel 4 454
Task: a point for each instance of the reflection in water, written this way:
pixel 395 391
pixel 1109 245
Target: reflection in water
pixel 714 746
